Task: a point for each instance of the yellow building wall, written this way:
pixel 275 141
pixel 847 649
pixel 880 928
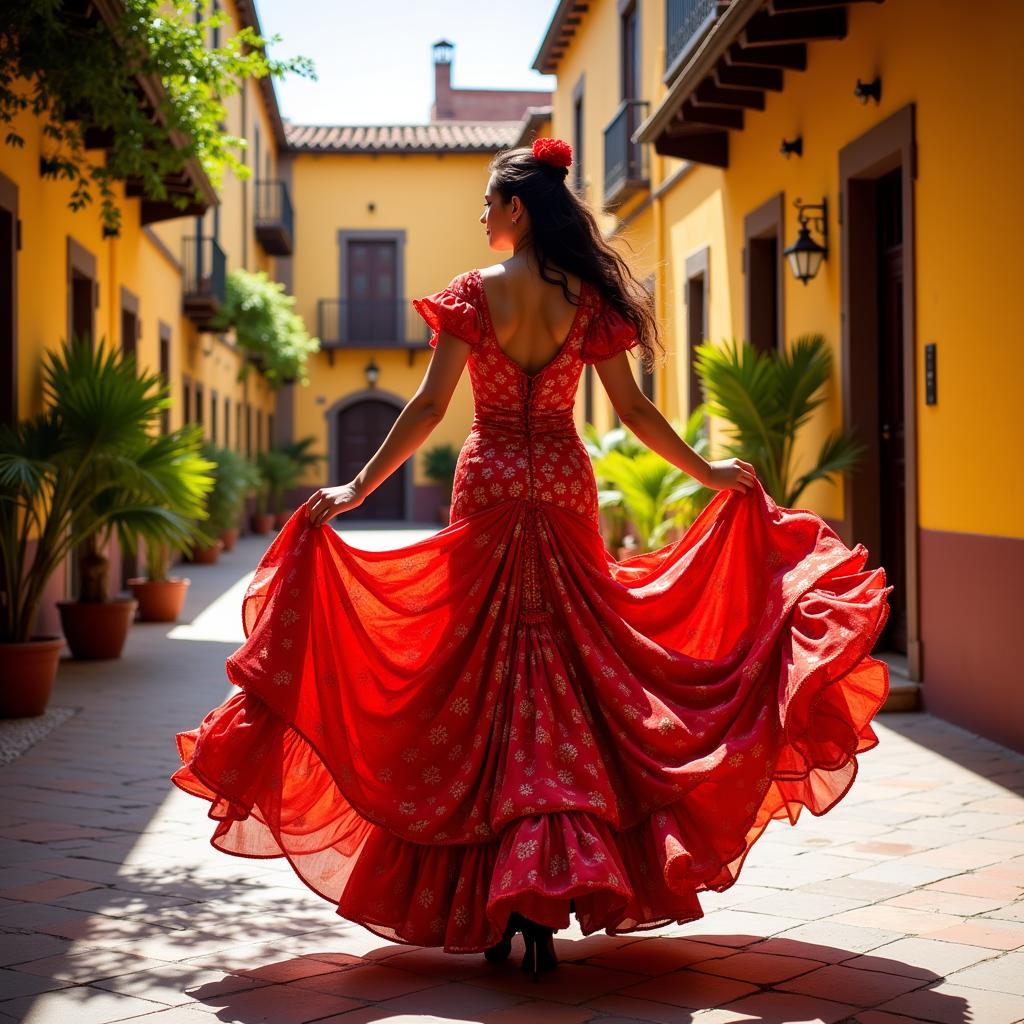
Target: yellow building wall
pixel 136 260
pixel 436 200
pixel 966 194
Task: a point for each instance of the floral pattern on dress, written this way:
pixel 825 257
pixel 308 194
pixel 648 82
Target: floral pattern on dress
pixel 503 717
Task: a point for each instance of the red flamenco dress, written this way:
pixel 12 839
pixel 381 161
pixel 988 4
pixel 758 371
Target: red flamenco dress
pixel 503 717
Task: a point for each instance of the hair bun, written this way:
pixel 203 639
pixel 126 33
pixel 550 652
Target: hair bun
pixel 556 152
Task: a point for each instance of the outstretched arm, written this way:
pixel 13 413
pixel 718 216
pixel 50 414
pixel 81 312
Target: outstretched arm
pixel 414 425
pixel 644 418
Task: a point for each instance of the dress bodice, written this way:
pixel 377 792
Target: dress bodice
pixel 523 443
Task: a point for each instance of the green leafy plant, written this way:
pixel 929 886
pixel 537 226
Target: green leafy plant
pixel 278 472
pixel 645 488
pixel 234 476
pixel 91 464
pixel 766 398
pixel 299 451
pixel 267 326
pixel 438 466
pixel 85 75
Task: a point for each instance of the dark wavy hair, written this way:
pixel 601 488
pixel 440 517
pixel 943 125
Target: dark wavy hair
pixel 564 232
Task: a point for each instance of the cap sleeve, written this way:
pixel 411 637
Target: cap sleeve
pixel 449 310
pixel 607 333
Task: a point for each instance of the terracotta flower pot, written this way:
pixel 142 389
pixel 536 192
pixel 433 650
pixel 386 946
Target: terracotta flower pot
pixel 228 537
pixel 444 514
pixel 30 669
pixel 282 517
pixel 159 600
pixel 263 523
pixel 97 629
pixel 207 556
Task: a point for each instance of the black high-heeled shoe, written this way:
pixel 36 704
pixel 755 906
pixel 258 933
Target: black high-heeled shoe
pixel 500 951
pixel 540 949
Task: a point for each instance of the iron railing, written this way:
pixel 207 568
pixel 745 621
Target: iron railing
pixel 274 219
pixel 204 268
pixel 376 322
pixel 686 22
pixel 625 161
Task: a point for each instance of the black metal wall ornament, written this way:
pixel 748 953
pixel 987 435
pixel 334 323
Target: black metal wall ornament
pixel 790 146
pixel 869 90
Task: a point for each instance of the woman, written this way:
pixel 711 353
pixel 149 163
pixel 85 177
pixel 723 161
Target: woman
pixel 501 725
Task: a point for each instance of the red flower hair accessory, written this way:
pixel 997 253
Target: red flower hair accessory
pixel 556 152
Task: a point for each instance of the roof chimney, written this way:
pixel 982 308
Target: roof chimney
pixel 443 106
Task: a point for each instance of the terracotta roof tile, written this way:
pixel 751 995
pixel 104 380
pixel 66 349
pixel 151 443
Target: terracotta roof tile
pixel 434 137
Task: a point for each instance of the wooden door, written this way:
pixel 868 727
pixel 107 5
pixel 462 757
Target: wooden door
pixel 371 299
pixel 891 432
pixel 360 431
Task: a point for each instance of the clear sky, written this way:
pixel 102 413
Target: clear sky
pixel 373 57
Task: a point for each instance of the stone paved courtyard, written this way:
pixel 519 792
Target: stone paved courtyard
pixel 904 903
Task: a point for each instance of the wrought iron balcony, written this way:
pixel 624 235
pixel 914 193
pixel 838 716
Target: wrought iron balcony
pixel 686 23
pixel 204 285
pixel 625 162
pixel 274 220
pixel 370 323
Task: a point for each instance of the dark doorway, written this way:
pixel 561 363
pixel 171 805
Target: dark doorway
pixel 877 172
pixel 129 349
pixel 696 298
pixel 8 301
pixel 360 430
pixel 82 292
pixel 165 372
pixel 762 263
pixel 891 433
pixel 372 303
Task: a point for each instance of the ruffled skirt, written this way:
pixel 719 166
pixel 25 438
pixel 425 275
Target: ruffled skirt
pixel 503 717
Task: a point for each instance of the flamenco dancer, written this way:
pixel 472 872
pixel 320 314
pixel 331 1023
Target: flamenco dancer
pixel 497 727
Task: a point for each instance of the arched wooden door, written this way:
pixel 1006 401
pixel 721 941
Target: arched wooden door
pixel 360 430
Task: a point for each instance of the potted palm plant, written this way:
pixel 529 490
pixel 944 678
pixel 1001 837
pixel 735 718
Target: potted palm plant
pixel 240 477
pixel 300 454
pixel 232 477
pixel 161 596
pixel 658 498
pixel 766 398
pixel 92 463
pixel 278 472
pixel 439 464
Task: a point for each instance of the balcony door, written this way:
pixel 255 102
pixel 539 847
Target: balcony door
pixel 371 300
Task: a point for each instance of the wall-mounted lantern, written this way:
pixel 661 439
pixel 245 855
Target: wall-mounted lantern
pixel 869 90
pixel 805 255
pixel 372 372
pixel 792 146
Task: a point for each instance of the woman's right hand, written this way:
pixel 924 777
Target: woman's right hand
pixel 730 474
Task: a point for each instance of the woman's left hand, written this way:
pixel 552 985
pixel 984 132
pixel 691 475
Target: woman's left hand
pixel 323 505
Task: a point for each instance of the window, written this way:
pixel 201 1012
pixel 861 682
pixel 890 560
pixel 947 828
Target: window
pixel 186 399
pixel 762 264
pixel 199 403
pixel 227 422
pixel 213 416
